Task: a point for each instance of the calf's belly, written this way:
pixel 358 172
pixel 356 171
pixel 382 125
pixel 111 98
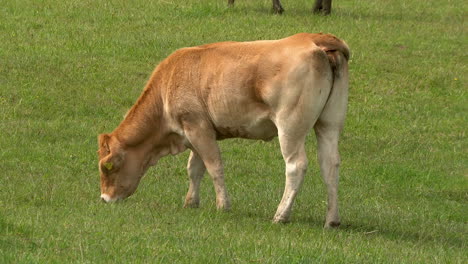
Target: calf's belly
pixel 263 129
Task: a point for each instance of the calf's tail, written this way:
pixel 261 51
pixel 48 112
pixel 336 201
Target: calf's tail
pixel 337 51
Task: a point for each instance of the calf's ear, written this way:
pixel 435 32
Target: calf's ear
pixel 110 159
pixel 111 162
pixel 103 142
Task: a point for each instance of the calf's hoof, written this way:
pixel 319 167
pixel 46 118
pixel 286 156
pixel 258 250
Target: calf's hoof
pixel 280 219
pixel 223 206
pixel 332 224
pixel 190 203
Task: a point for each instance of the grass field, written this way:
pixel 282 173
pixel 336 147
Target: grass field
pixel 69 70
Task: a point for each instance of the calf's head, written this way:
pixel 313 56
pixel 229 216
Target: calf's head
pixel 120 169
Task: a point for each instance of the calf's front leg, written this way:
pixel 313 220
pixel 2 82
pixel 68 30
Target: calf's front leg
pixel 196 169
pixel 203 140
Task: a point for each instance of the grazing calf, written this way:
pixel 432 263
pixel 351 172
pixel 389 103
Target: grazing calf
pixel 253 90
pixel 320 6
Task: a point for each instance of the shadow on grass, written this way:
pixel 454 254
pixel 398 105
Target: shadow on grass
pixel 398 234
pixel 388 232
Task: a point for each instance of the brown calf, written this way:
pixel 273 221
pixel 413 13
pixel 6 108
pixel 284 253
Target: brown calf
pixel 254 90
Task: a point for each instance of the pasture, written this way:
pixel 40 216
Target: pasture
pixel 70 70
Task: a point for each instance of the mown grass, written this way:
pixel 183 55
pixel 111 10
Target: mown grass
pixel 70 69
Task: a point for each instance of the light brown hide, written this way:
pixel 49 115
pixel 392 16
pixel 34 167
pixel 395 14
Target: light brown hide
pixel 254 90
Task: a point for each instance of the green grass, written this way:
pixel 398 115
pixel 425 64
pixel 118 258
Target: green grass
pixel 69 70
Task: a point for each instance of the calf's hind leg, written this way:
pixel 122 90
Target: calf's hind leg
pixel 329 160
pixel 293 127
pixel 296 165
pixel 327 130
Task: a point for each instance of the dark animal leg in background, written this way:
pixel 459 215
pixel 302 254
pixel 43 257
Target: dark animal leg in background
pixel 322 6
pixel 317 6
pixel 277 8
pixel 326 7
